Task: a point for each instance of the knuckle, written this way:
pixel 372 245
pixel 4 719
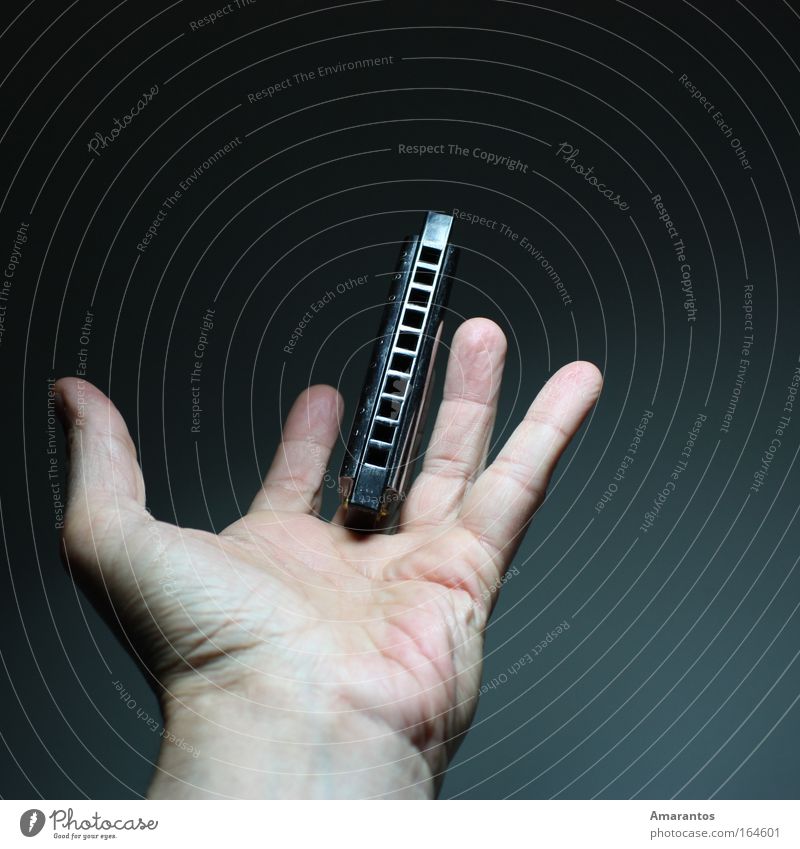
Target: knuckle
pixel 550 421
pixel 525 478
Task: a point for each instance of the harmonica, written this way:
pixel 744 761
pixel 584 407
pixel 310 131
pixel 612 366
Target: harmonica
pixel 390 417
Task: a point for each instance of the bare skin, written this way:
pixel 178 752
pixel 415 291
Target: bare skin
pixel 294 658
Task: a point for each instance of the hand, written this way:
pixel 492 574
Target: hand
pixel 293 657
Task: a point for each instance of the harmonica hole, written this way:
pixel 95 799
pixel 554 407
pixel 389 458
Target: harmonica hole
pixel 418 297
pixel 383 432
pixel 388 409
pixel 377 455
pixel 413 318
pixel 430 255
pixel 407 341
pixel 396 386
pixel 402 362
pixel 422 275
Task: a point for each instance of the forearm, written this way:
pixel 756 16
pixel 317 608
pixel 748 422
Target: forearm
pixel 225 746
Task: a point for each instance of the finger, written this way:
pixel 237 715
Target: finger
pixel 500 504
pixel 105 488
pixel 295 478
pixel 460 437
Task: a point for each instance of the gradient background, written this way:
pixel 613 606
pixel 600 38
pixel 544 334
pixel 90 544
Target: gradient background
pixel 678 676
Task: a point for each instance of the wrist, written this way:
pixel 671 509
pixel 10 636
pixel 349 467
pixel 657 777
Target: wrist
pixel 252 742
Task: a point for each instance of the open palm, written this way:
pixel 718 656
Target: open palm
pixel 343 643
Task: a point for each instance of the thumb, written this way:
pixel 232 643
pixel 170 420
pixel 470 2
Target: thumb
pixel 105 490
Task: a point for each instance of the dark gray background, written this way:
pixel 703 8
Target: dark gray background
pixel 678 674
